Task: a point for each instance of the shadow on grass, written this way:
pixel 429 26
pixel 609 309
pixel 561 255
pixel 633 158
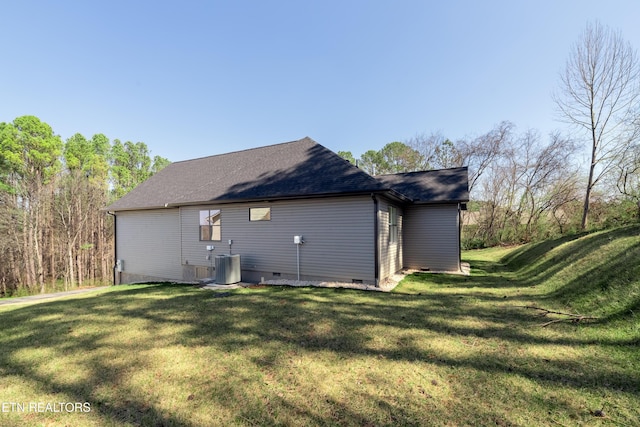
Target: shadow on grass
pixel 536 263
pixel 591 273
pixel 484 275
pixel 281 322
pixel 52 326
pixel 597 275
pixel 534 252
pixel 269 327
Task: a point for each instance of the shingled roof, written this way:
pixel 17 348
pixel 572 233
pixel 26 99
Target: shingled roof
pixel 287 170
pixel 295 169
pixel 433 186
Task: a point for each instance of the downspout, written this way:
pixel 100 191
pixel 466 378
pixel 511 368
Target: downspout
pixel 459 237
pixel 298 260
pixel 115 246
pixel 376 239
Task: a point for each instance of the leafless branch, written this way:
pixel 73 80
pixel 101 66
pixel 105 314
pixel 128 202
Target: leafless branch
pixel 600 94
pixel 569 317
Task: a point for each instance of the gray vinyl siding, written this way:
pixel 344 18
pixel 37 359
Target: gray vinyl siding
pixel 431 237
pixel 338 234
pixel 391 253
pixel 149 243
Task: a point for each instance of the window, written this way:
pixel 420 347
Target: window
pixel 259 214
pixel 393 224
pixel 210 225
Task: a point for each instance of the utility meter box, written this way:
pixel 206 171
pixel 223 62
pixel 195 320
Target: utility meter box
pixel 297 240
pixel 119 265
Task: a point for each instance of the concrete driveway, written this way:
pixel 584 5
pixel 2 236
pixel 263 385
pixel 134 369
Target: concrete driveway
pixel 40 297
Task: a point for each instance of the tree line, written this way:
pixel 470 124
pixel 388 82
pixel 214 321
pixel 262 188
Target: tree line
pixel 53 233
pixel 524 187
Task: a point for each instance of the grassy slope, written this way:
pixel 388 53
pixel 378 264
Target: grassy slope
pixel 595 273
pixel 441 350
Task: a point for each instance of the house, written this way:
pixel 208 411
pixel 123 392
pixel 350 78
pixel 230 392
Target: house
pixel 353 227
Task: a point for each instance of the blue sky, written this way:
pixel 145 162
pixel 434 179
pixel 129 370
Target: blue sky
pixel 196 78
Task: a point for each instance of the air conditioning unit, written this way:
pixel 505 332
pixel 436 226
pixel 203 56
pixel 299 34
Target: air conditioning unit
pixel 227 269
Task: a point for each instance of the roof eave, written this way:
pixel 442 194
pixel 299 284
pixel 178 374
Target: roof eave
pixel 144 208
pixel 248 200
pixel 439 202
pixel 396 195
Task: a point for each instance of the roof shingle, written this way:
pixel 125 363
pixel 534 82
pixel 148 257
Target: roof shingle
pixel 296 168
pixel 301 168
pixel 433 186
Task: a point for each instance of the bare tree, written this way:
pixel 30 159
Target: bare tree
pixel 482 152
pixel 478 153
pixel 600 94
pixel 437 151
pixel 547 180
pixel 525 188
pixel 628 179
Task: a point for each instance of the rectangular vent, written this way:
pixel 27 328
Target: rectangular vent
pixel 276 274
pixel 356 280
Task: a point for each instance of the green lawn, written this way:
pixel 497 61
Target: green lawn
pixel 440 350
